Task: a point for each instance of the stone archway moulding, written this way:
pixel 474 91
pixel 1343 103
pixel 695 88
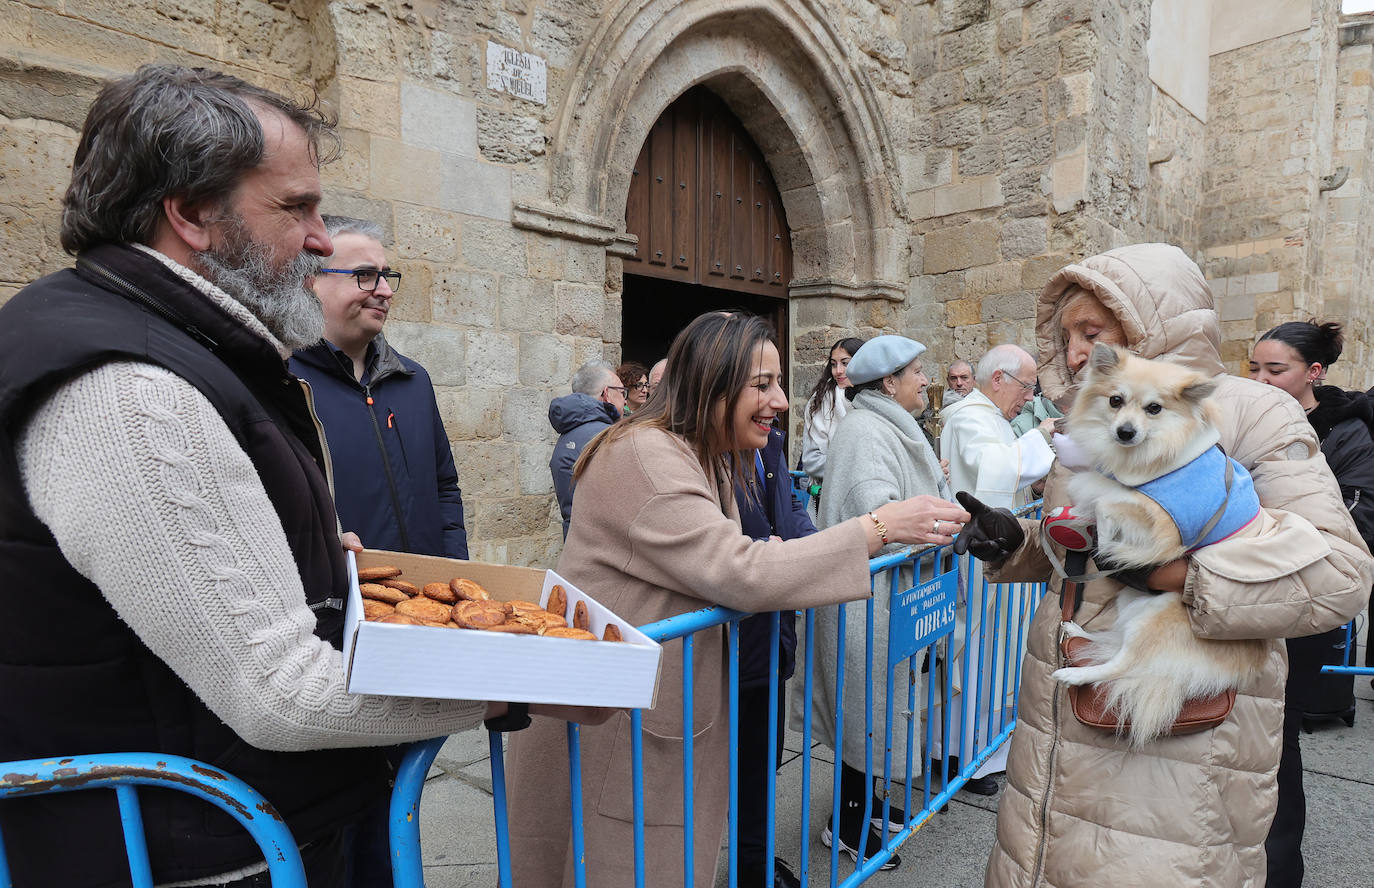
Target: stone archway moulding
pixel 785 73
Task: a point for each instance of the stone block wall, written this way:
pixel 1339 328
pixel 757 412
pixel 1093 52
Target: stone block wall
pixel 1268 142
pixel 1348 272
pixel 1030 153
pixel 1177 140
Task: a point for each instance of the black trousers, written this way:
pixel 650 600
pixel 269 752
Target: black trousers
pixel 754 768
pixel 1284 843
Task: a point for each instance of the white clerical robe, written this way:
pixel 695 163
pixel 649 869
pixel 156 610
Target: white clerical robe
pixel 987 460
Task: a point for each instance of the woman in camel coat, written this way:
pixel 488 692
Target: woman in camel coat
pixel 656 533
pixel 1081 807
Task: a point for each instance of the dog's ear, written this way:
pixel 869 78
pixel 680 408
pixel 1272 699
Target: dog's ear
pixel 1198 390
pixel 1103 359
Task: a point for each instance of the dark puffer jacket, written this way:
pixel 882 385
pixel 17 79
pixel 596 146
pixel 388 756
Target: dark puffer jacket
pixel 395 483
pixel 577 418
pixel 775 512
pixel 1344 423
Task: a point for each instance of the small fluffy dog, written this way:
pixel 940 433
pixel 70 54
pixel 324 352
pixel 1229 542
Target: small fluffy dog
pixel 1157 480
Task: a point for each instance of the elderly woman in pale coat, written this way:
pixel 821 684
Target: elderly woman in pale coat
pixel 656 533
pixel 878 455
pixel 1081 807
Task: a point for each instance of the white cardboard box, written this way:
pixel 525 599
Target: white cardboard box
pixel 466 664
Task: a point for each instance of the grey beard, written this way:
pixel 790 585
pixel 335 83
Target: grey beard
pixel 279 297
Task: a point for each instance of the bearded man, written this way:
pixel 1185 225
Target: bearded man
pixel 164 496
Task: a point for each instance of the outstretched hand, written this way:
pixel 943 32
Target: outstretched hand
pixel 990 534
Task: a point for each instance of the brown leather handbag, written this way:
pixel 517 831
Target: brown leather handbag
pixel 1089 702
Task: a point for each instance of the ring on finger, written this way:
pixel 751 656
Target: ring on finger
pixel 935 528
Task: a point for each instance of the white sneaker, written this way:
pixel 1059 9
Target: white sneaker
pixel 874 843
pixel 893 826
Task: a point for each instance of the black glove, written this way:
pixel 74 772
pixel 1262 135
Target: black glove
pixel 991 534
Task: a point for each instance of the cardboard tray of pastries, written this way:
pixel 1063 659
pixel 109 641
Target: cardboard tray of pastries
pixel 422 626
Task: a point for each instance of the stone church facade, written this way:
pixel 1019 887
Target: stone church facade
pixel 935 162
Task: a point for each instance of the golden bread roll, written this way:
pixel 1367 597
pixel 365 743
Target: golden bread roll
pixel 512 628
pixel 478 614
pixel 524 607
pixel 468 590
pixel 401 619
pixel 570 632
pixel 558 601
pixel 424 609
pixel 612 633
pixel 580 619
pixel 400 585
pixel 373 610
pixel 378 592
pixel 438 624
pixel 440 592
pixel 371 574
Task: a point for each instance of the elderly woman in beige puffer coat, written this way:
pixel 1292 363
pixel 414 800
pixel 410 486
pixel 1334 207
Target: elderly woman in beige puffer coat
pixel 1081 808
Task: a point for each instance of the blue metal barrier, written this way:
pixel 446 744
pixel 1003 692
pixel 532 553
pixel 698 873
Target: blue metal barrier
pixel 122 772
pixel 1351 645
pixel 926 634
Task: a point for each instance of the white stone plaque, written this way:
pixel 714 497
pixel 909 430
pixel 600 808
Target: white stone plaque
pixel 522 74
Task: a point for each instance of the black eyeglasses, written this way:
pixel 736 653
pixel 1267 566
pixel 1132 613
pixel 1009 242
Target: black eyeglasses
pixel 368 278
pixel 642 386
pixel 616 388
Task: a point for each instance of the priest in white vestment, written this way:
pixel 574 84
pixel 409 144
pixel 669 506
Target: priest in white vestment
pixel 987 460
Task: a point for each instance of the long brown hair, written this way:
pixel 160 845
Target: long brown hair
pixel 709 363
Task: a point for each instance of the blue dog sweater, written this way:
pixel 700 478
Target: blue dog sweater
pixel 1192 493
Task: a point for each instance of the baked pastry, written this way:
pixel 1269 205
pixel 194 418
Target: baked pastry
pixel 513 628
pixel 468 590
pixel 558 601
pixel 372 574
pixel 478 614
pixel 580 618
pixel 440 592
pixel 400 618
pixel 527 607
pixel 378 592
pixel 393 583
pixel 540 620
pixel 424 609
pixel 612 633
pixel 570 632
pixel 373 609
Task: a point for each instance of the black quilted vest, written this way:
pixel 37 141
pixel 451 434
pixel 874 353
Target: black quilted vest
pixel 74 679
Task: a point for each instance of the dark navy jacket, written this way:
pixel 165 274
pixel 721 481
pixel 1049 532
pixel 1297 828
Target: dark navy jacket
pixel 395 484
pixel 577 418
pixel 776 512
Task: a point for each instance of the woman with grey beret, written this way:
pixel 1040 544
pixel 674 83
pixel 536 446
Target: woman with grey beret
pixel 878 454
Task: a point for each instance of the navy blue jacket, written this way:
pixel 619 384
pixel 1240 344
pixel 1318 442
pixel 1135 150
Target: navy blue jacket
pixel 776 512
pixel 577 418
pixel 395 484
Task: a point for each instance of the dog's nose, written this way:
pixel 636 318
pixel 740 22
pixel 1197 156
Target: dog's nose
pixel 1125 432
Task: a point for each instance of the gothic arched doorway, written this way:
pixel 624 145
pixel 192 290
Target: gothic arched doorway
pixel 711 228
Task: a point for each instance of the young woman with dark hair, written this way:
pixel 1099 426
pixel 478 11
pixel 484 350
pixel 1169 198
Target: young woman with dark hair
pixel 1295 357
pixel 656 532
pixel 825 407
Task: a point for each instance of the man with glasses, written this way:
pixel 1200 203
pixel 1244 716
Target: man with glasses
pixel 987 460
pixel 597 399
pixel 395 483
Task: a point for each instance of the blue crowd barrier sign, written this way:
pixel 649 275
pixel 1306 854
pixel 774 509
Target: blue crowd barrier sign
pixel 921 615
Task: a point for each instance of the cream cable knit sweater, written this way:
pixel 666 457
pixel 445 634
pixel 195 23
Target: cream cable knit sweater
pixel 151 498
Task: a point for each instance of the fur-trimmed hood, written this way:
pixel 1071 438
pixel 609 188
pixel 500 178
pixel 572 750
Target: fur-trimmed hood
pixel 1158 294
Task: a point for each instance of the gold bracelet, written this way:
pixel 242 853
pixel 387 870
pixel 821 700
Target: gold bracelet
pixel 882 528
